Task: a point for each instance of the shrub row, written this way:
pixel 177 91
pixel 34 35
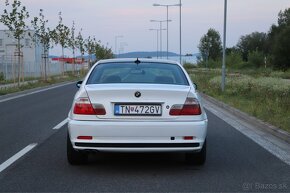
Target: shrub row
pixel 246 85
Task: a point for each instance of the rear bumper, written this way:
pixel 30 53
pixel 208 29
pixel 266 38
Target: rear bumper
pixel 117 136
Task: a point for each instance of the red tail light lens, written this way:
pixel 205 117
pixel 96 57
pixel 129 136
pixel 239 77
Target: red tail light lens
pixel 83 106
pixel 188 137
pixel 85 137
pixel 190 107
pixel 99 109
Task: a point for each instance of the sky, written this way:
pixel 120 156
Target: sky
pixel 106 19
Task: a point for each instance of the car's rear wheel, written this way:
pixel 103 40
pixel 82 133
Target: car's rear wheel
pixel 75 157
pixel 197 158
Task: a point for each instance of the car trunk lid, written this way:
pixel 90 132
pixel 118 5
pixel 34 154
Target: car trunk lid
pixel 159 98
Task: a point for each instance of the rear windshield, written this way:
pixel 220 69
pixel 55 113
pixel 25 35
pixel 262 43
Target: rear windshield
pixel 147 73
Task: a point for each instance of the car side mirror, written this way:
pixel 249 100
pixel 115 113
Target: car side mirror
pixel 195 86
pixel 79 83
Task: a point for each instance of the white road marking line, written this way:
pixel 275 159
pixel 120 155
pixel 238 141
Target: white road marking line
pixel 34 92
pixel 18 155
pixel 58 126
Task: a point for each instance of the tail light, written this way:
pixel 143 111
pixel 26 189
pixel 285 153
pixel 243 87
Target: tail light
pixel 83 106
pixel 85 137
pixel 190 107
pixel 99 109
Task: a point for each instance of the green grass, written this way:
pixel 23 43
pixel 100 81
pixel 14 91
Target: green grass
pixel 40 83
pixel 265 97
pixel 3 81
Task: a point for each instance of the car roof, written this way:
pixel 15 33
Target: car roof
pixel 140 59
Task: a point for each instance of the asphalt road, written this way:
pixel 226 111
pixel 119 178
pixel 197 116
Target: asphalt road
pixel 234 162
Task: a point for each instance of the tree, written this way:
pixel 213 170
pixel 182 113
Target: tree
pixel 73 43
pixel 283 22
pixel 80 43
pixel 255 41
pixel 15 21
pixel 256 58
pixel 103 52
pixel 60 36
pixel 284 18
pixel 42 35
pixel 281 49
pixel 234 58
pixel 210 45
pixel 279 38
pixel 90 45
pixel 94 47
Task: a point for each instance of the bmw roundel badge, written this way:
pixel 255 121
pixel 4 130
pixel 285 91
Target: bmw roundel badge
pixel 137 94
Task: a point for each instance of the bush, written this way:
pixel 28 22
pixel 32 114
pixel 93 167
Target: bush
pixel 189 66
pixel 286 74
pixel 277 74
pixel 281 74
pixel 256 59
pixel 268 87
pixel 234 60
pixel 210 64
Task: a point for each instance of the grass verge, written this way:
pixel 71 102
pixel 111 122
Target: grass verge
pixel 267 98
pixel 39 83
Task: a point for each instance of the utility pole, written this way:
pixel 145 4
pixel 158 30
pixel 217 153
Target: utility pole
pixel 224 48
pixel 180 44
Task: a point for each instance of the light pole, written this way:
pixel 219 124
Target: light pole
pixel 122 46
pixel 160 21
pixel 157 34
pixel 167 6
pixel 180 43
pixel 116 39
pixel 224 48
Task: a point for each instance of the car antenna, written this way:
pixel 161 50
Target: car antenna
pixel 137 61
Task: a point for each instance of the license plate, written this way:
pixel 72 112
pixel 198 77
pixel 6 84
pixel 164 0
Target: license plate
pixel 142 109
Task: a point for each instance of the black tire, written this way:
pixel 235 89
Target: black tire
pixel 75 157
pixel 198 158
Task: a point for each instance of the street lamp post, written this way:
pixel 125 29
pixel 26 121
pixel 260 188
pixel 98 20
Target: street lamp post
pixel 116 39
pixel 167 6
pixel 167 31
pixel 157 34
pixel 180 43
pixel 160 21
pixel 224 47
pixel 122 46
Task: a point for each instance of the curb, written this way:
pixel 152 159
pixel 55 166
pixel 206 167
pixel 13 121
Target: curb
pixel 261 125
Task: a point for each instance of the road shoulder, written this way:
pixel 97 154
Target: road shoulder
pixel 273 139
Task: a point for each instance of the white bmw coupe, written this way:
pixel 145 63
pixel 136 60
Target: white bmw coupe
pixel 137 105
